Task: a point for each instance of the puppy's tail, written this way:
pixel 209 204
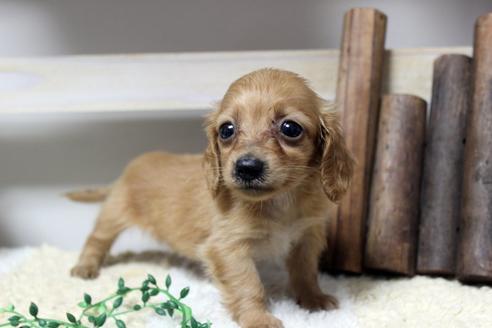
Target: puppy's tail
pixel 88 195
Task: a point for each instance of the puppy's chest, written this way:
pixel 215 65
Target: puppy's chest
pixel 279 240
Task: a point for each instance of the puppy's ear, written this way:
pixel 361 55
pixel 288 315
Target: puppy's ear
pixel 337 164
pixel 211 163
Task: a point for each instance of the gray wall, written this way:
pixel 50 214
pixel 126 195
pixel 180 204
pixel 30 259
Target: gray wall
pixel 51 27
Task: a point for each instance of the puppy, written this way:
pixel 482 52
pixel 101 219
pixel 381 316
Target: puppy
pixel 275 165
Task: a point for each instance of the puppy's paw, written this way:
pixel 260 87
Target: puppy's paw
pixel 265 320
pixel 85 271
pixel 316 302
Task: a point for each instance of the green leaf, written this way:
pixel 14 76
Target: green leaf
pixel 120 324
pixel 145 297
pixel 171 312
pixel 82 304
pixel 123 291
pixel 87 299
pixel 33 309
pixel 168 281
pixel 184 292
pixel 121 283
pixel 117 302
pixel 137 307
pixel 42 322
pixel 194 324
pixel 160 311
pixel 71 317
pixel 173 304
pixel 91 319
pixel 53 324
pixel 154 291
pixel 151 279
pixel 145 286
pixel 102 308
pixel 10 308
pixel 14 318
pixel 100 320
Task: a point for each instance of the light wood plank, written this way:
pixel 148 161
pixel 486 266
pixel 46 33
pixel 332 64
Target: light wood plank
pixel 186 81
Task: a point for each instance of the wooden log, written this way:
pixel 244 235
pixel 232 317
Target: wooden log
pixel 443 166
pixel 358 95
pixel 394 207
pixel 475 251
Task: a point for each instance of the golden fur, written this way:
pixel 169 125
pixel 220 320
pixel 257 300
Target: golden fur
pixel 194 204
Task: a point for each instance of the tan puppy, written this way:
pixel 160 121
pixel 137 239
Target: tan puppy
pixel 275 163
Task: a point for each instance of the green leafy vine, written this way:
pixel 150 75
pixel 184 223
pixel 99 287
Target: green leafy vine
pixel 96 314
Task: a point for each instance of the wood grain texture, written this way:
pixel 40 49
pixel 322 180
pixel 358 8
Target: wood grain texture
pixel 475 252
pixel 358 95
pixel 182 81
pixel 395 192
pixel 443 166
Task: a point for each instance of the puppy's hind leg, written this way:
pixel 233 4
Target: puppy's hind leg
pixel 111 222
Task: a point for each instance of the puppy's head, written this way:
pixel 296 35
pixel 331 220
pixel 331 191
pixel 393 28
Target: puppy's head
pixel 269 134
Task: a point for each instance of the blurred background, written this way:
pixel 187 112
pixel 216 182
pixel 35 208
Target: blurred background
pixel 60 27
pixel 42 155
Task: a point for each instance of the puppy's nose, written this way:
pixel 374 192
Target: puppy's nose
pixel 249 168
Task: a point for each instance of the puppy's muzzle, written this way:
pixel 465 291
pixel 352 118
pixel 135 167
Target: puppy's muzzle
pixel 249 169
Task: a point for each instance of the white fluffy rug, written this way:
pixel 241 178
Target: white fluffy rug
pixel 41 275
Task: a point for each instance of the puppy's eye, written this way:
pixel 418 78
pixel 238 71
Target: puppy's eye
pixel 226 130
pixel 291 129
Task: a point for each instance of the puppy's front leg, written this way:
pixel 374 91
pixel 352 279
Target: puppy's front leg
pixel 302 264
pixel 235 273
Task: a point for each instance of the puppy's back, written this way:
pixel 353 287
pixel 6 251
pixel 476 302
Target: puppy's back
pixel 167 195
